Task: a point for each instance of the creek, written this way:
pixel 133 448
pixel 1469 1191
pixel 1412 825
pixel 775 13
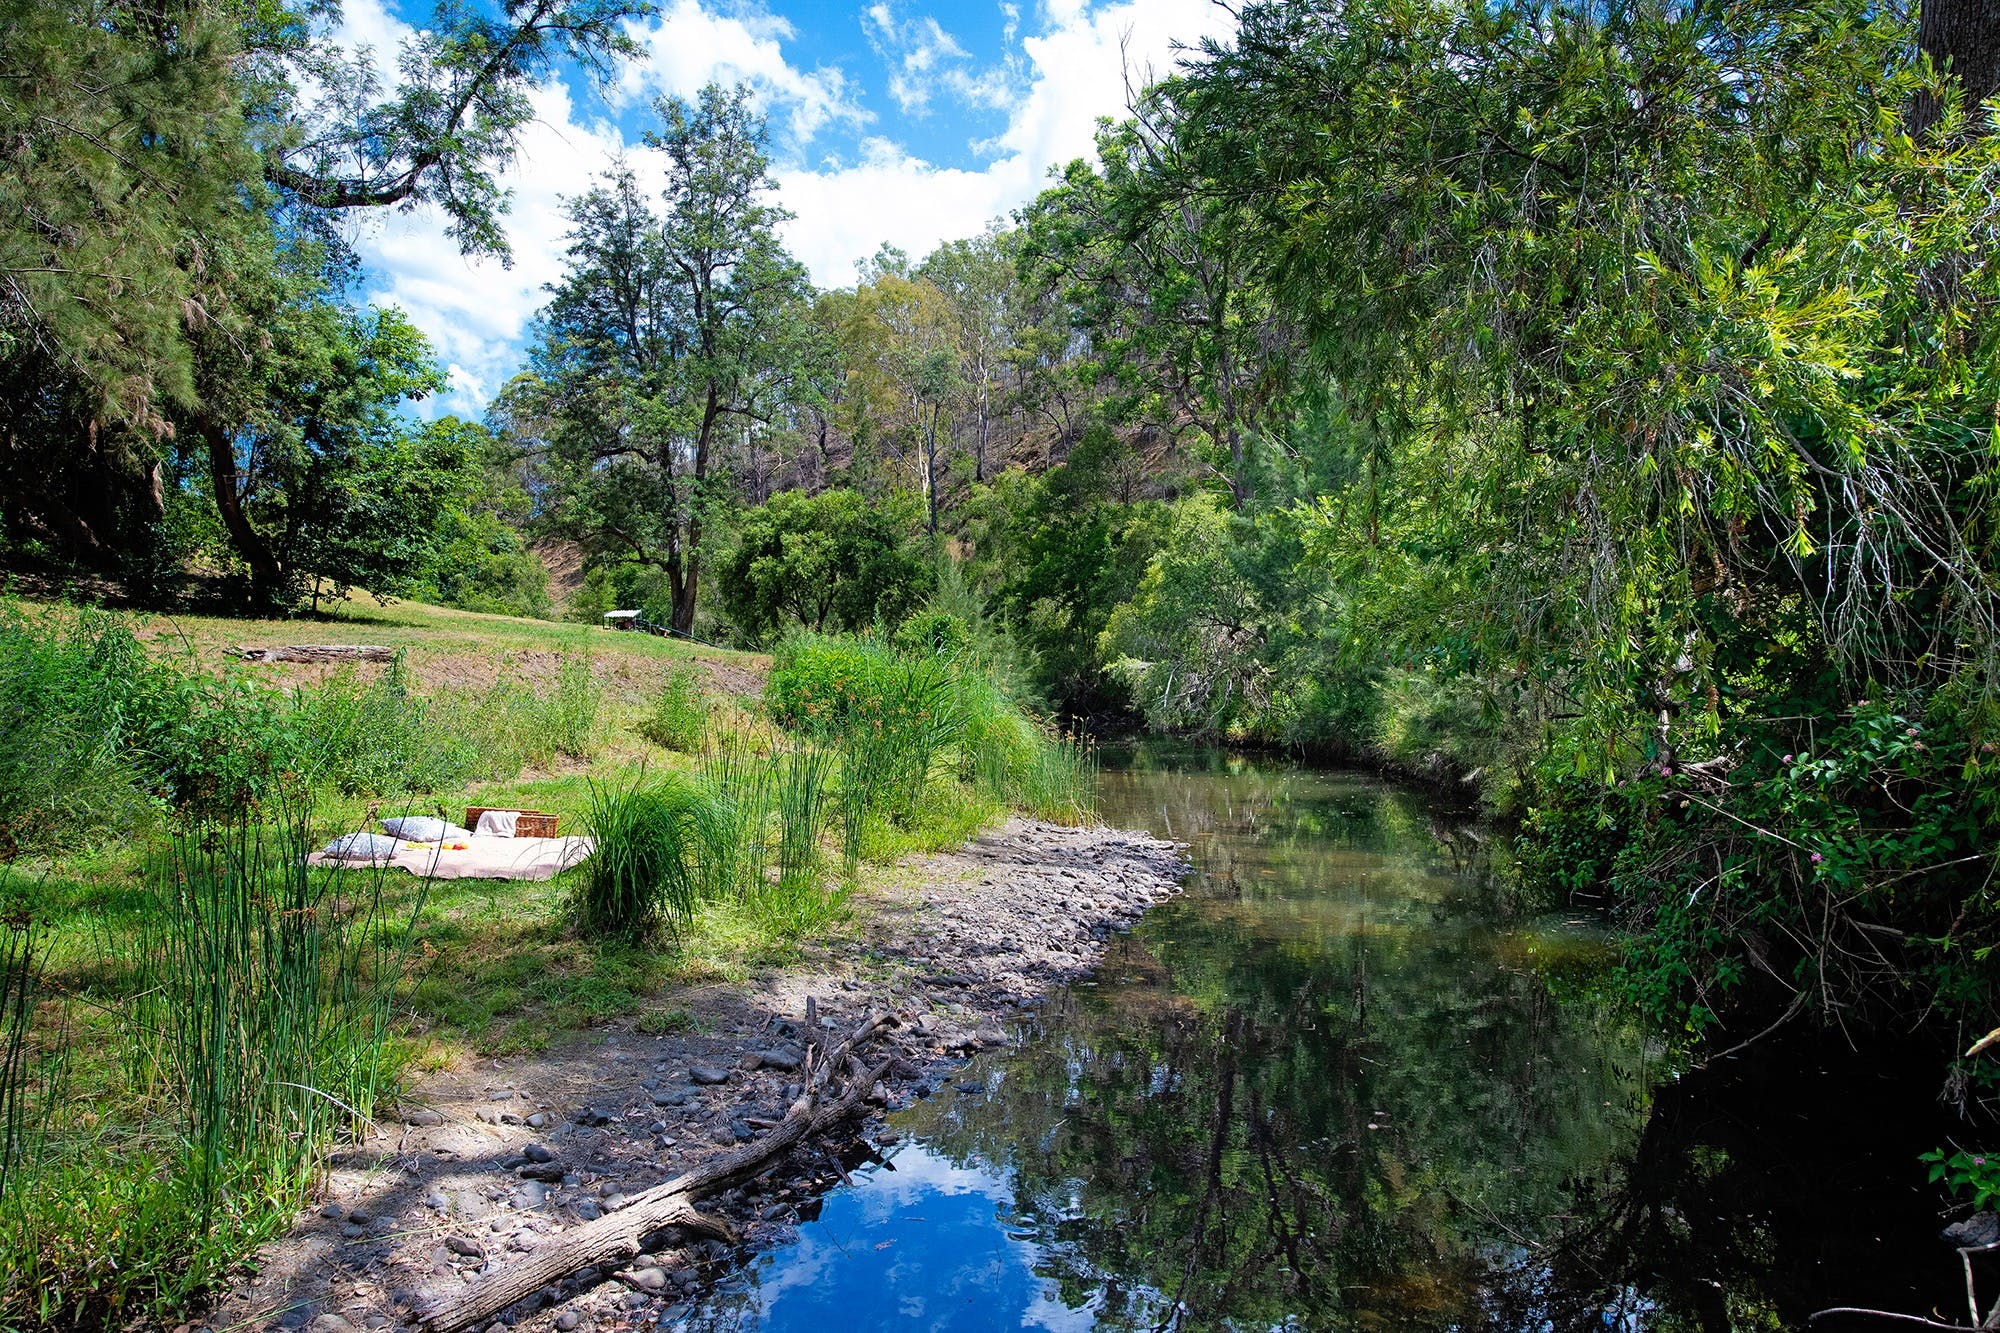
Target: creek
pixel 1350 1080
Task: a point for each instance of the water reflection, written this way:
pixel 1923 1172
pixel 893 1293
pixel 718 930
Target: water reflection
pixel 1346 1081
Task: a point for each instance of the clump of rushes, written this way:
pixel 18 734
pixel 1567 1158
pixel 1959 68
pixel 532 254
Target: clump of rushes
pixel 258 1022
pixel 738 785
pixel 679 720
pixel 645 871
pixel 802 814
pixel 272 984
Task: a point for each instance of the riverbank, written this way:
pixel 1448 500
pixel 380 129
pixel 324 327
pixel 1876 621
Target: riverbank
pixel 484 1164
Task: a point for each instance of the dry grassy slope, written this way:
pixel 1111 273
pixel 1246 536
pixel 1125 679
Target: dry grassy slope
pixel 463 649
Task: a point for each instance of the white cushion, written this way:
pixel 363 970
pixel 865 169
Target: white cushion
pixel 499 823
pixel 362 847
pixel 423 828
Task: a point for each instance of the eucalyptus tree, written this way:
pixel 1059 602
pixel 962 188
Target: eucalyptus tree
pixel 669 328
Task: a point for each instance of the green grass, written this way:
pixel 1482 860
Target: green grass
pixel 719 857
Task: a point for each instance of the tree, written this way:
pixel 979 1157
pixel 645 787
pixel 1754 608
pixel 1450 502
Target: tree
pixel 668 331
pixel 320 482
pixel 1962 39
pixel 837 559
pixel 977 278
pixel 161 151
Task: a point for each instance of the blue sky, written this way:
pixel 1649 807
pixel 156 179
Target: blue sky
pixel 893 120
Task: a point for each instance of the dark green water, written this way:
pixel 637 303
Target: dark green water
pixel 1347 1081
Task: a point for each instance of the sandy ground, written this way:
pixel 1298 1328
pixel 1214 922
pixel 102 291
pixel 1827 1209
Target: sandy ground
pixel 482 1166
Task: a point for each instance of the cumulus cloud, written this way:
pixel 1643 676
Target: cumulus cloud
pixel 1067 73
pixel 922 57
pixel 689 45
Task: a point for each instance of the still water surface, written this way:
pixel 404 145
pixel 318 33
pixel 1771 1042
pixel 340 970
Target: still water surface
pixel 1348 1081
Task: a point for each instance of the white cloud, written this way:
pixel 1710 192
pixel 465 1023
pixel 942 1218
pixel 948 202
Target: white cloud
pixel 1070 72
pixel 1077 71
pixel 690 45
pixel 923 58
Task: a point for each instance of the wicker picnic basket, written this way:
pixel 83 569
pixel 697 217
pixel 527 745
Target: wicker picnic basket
pixel 531 824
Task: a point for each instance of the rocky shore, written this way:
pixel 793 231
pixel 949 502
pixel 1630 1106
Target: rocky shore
pixel 484 1166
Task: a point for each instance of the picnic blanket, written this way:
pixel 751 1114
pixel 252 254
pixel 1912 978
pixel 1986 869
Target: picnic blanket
pixel 484 857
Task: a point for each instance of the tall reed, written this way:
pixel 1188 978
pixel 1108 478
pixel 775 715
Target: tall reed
pixel 802 814
pixel 739 785
pixel 19 949
pixel 273 982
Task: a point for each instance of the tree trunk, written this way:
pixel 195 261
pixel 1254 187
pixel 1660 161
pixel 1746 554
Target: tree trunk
pixel 1963 38
pixel 266 577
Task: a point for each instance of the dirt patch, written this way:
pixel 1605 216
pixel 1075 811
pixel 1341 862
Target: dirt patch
pixel 564 562
pixel 485 1164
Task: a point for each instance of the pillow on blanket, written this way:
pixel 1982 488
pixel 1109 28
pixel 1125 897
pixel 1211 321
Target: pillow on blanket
pixel 362 847
pixel 423 828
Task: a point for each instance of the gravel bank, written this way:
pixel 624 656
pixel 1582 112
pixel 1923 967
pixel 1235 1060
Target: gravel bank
pixel 485 1164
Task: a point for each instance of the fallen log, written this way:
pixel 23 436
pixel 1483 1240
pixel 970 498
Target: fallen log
pixel 320 652
pixel 615 1238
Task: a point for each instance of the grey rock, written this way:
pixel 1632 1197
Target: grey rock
pixel 675 1097
pixel 1979 1230
pixel 539 1120
pixel 594 1115
pixel 648 1279
pixel 551 1172
pixel 539 1152
pixel 438 1200
pixel 784 1061
pixel 568 1321
pixel 422 1118
pixel 464 1245
pixel 587 1210
pixel 330 1323
pixel 531 1194
pixel 634 1300
pixel 708 1074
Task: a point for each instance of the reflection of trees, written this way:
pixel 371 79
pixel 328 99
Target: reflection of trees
pixel 1762 1188
pixel 1353 1102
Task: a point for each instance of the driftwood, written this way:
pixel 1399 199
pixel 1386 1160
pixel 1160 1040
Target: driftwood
pixel 320 652
pixel 615 1238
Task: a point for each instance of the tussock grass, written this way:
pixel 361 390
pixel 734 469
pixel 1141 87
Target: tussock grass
pixel 646 869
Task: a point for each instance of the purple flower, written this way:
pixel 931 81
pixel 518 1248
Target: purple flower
pixel 1909 731
pixel 1788 759
pixel 1817 858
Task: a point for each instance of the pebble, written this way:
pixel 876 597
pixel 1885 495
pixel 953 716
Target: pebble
pixel 531 1194
pixel 464 1245
pixel 539 1152
pixel 587 1210
pixel 568 1320
pixel 648 1279
pixel 422 1118
pixel 708 1074
pixel 551 1172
